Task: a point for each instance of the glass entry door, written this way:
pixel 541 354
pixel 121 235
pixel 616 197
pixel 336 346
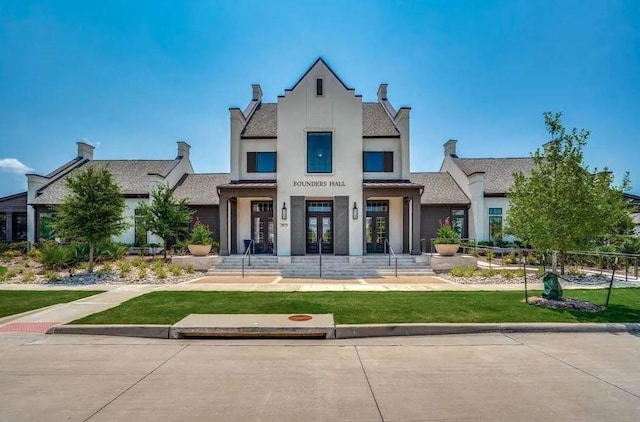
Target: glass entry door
pixel 262 229
pixel 376 225
pixel 319 227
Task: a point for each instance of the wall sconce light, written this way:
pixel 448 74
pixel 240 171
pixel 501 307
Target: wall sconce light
pixel 354 211
pixel 284 210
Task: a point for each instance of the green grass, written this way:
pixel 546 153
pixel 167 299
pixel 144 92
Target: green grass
pixel 17 301
pixel 369 307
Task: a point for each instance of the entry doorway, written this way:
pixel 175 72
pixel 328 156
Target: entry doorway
pixel 376 225
pixel 262 229
pixel 319 227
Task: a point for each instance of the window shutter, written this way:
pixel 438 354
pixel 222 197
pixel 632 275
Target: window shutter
pixel 388 161
pixel 275 161
pixel 251 162
pixel 364 161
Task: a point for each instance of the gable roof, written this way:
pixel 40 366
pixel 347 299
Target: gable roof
pixel 319 60
pixel 439 189
pixel 130 175
pixel 263 123
pixel 498 172
pixel 376 122
pixel 201 189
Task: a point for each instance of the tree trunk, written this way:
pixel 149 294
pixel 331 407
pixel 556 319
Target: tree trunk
pixel 90 266
pixel 165 249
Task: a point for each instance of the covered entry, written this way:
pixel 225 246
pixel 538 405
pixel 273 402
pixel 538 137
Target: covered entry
pixel 247 214
pixel 380 219
pixel 319 227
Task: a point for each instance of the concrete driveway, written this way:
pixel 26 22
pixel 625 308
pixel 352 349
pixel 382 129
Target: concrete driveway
pixel 517 377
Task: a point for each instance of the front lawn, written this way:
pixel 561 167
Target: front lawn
pixel 18 301
pixel 369 307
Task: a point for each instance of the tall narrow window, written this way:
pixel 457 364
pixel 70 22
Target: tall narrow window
pixel 319 152
pixel 495 223
pixel 457 219
pixel 140 235
pixel 3 227
pixel 19 226
pixel 45 227
pixel 319 86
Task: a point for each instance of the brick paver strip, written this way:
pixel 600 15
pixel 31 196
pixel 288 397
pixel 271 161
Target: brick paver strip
pixel 27 327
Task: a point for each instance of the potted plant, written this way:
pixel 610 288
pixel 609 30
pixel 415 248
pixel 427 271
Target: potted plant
pixel 200 242
pixel 448 240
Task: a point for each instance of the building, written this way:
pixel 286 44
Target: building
pixel 318 171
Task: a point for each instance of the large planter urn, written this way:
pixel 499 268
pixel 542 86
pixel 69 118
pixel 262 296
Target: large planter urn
pixel 199 250
pixel 447 249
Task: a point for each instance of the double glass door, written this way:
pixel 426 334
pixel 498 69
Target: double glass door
pixel 377 226
pixel 319 227
pixel 262 229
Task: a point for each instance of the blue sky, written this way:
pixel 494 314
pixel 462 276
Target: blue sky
pixel 133 77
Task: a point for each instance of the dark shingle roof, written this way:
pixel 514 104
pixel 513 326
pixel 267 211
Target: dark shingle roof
pixel 440 188
pixel 264 122
pixel 376 121
pixel 498 172
pixel 201 189
pixel 130 175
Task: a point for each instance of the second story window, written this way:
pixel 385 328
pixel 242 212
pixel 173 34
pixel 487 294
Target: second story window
pixel 319 87
pixel 261 162
pixel 319 152
pixel 378 161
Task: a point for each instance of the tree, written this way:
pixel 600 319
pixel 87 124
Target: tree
pixel 165 217
pixel 562 205
pixel 93 210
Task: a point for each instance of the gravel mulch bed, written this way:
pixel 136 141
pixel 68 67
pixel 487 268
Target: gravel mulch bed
pixel 566 303
pixel 587 281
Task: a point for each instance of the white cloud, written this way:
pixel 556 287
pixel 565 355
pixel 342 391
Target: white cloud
pixel 13 165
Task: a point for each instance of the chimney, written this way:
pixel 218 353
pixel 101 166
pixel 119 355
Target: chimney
pixel 382 92
pixel 257 92
pixel 547 147
pixel 183 150
pixel 450 148
pixel 85 150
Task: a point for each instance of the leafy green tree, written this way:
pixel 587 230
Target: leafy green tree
pixel 166 216
pixel 93 210
pixel 563 205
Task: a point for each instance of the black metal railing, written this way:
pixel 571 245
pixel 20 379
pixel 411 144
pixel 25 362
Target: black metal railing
pixel 247 254
pixel 388 250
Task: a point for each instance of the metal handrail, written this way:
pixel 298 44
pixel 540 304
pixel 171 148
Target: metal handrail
pixel 425 245
pixel 320 255
pixel 246 253
pixel 389 251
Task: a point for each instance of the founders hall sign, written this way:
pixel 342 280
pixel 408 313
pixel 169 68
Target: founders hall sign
pixel 319 183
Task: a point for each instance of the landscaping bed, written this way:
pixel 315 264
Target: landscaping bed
pixel 18 301
pixel 370 307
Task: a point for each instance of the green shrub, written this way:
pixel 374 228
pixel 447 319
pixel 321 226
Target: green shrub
pixel 53 256
pixel 490 256
pixel 189 269
pixel 157 265
pixel 215 246
pixel 51 275
pixel 175 270
pixel 510 259
pixel 487 272
pixel 3 273
pixel 28 276
pixel 35 254
pixel 161 273
pixel 575 272
pixel 101 272
pixel 20 247
pixel 463 271
pixel 200 234
pixel 107 266
pixel 142 272
pixel 140 263
pixel 125 267
pixel 540 272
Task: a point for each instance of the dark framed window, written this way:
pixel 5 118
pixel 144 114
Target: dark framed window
pixel 319 152
pixel 457 219
pixel 45 226
pixel 319 86
pixel 19 226
pixel 495 223
pixel 261 162
pixel 378 161
pixel 139 234
pixel 3 227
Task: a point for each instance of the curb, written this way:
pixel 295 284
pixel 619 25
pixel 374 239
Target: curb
pixel 145 331
pixel 345 331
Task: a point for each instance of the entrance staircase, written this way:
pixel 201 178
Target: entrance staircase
pixel 338 267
